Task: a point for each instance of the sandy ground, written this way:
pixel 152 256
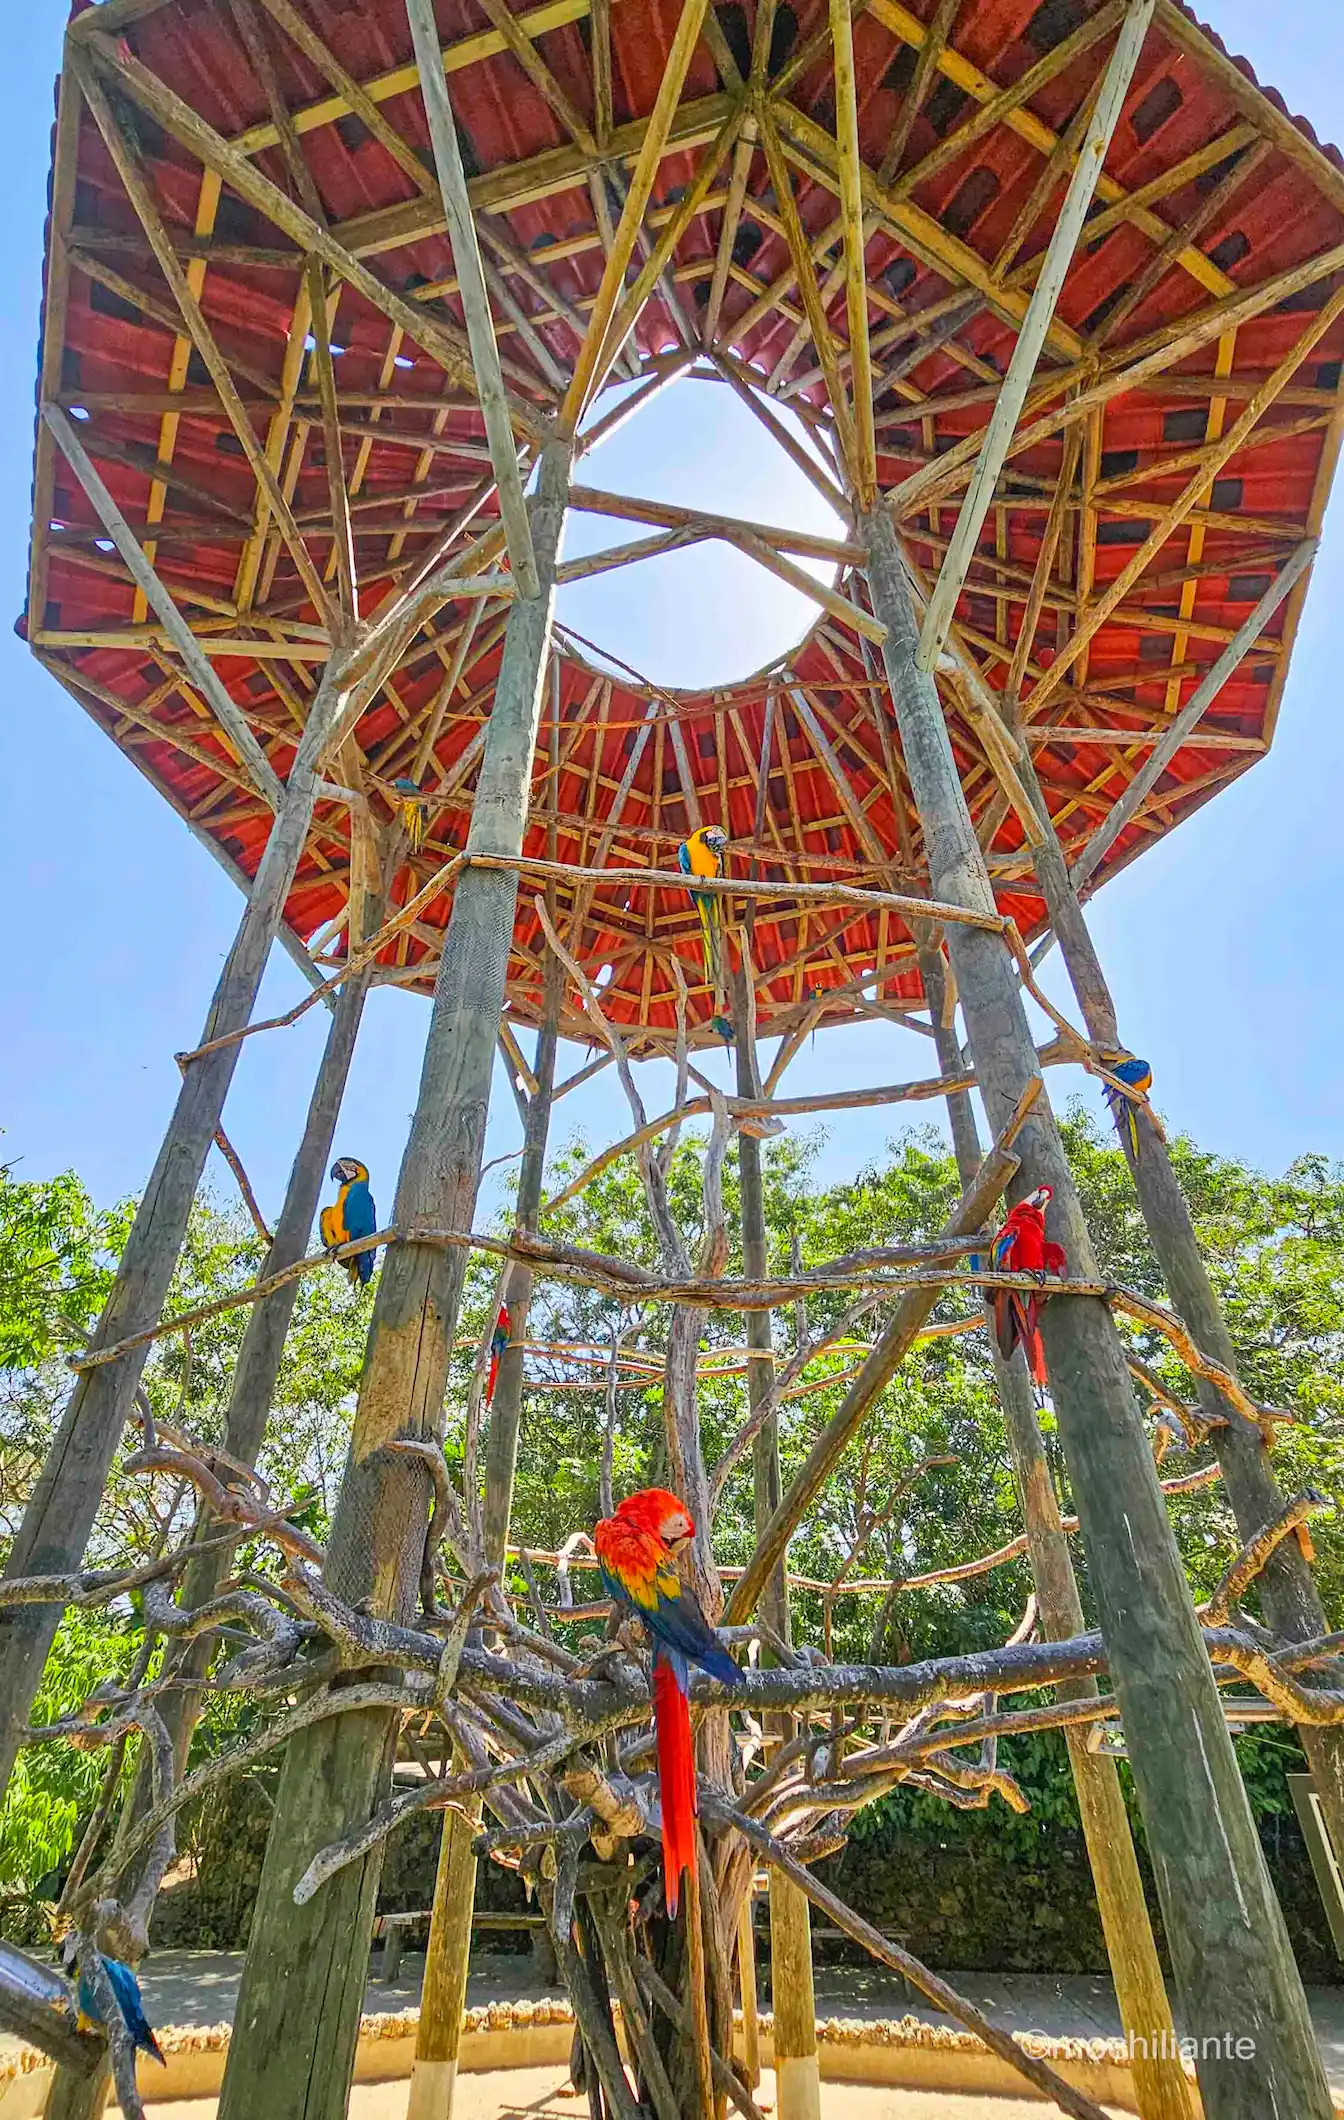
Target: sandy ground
pixel 535 2094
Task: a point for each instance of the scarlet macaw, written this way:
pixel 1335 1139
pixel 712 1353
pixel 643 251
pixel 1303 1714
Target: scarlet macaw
pixel 126 1988
pixel 499 1340
pixel 702 855
pixel 636 1552
pixel 1022 1246
pixel 414 804
pixel 1139 1075
pixel 353 1215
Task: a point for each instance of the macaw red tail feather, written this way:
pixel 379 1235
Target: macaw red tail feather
pixel 490 1380
pixel 1032 1342
pixel 676 1779
pixel 1015 1319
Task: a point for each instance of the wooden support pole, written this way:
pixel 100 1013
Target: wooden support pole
pixel 746 1979
pixel 894 1343
pixel 61 1511
pixel 252 1389
pixel 473 293
pixel 1291 1602
pixel 1031 338
pixel 793 1999
pixel 1195 708
pixel 303 1983
pixel 438 2039
pixel 1145 2012
pixel 1206 1853
pixel 443 1997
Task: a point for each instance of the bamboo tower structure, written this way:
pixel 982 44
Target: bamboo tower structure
pixel 334 299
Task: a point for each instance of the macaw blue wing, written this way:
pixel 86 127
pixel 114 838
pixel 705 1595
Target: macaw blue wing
pixel 361 1220
pixel 126 1988
pixel 684 859
pixel 361 1216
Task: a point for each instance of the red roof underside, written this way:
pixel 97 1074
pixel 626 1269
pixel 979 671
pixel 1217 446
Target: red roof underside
pixel 426 446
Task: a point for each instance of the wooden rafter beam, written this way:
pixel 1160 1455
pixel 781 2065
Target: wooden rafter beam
pixel 1139 365
pixel 661 251
pixel 1049 286
pixel 921 233
pixel 442 341
pixel 1101 607
pixel 229 716
pixel 966 76
pixel 642 178
pixel 732 216
pixel 800 253
pixel 138 190
pixel 1148 775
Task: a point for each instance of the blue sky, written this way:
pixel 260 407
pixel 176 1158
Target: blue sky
pixel 1222 944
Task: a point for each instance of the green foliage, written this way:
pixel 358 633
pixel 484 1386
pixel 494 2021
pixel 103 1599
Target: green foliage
pixel 1274 1249
pixel 54 1786
pixel 57 1253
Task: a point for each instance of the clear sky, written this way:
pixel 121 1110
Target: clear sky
pixel 1222 945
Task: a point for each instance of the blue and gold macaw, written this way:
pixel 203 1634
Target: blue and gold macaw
pixel 414 806
pixel 126 1988
pixel 1139 1075
pixel 702 855
pixel 353 1215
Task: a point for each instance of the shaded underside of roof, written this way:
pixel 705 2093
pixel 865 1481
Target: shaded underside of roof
pixel 1210 192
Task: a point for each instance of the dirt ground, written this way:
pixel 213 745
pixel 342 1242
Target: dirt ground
pixel 535 2094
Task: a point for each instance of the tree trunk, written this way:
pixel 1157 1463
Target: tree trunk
pixel 1230 1950
pixel 299 2005
pixel 792 1993
pixel 439 2037
pixel 1145 2012
pixel 59 1517
pixel 1288 1596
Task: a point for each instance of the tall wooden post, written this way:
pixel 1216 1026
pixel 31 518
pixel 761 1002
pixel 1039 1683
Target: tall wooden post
pixel 1291 1602
pixel 439 2036
pixel 81 2097
pixel 792 1993
pixel 60 1515
pixel 254 1378
pixel 1145 2012
pixel 298 2012
pixel 1233 1962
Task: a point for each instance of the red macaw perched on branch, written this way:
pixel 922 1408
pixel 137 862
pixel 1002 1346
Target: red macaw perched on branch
pixel 636 1551
pixel 1022 1246
pixel 499 1340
